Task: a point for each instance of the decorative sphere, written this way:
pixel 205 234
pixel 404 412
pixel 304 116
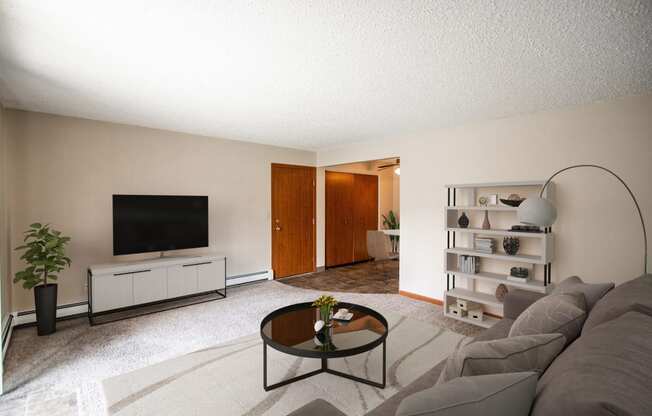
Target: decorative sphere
pixel 319 325
pixel 537 211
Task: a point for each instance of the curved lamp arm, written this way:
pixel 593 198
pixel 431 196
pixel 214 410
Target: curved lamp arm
pixel 638 208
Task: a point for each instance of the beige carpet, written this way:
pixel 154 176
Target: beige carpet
pixel 62 373
pixel 227 379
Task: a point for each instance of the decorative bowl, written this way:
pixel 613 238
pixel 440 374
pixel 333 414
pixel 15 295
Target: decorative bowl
pixel 512 202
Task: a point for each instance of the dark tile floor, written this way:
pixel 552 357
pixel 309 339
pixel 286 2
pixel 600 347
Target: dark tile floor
pixel 368 277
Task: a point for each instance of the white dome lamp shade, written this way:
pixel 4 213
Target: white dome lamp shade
pixel 541 212
pixel 537 211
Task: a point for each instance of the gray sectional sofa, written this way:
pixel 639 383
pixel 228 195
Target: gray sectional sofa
pixel 605 371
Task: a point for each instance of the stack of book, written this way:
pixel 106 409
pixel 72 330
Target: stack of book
pixel 485 245
pixel 468 264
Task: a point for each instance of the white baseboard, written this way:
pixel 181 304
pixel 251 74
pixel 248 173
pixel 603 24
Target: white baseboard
pixel 29 317
pixel 248 278
pixel 5 339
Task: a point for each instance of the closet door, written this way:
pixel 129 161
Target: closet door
pixel 365 213
pixel 339 218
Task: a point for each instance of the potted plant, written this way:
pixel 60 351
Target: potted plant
pixel 325 303
pixel 45 257
pixel 390 222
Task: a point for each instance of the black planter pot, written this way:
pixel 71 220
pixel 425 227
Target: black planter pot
pixel 45 298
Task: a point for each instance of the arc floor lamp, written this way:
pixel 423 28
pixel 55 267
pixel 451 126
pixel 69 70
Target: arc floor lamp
pixel 541 212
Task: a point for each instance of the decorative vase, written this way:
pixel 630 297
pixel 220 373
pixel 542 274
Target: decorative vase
pixel 501 292
pixel 45 299
pixel 463 221
pixel 486 225
pixel 325 313
pixel 511 245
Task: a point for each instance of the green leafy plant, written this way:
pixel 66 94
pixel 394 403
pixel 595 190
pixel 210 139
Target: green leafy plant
pixel 390 222
pixel 44 253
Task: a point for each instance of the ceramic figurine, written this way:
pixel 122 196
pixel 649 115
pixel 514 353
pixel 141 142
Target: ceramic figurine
pixel 463 221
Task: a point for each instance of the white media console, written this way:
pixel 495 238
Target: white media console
pixel 119 286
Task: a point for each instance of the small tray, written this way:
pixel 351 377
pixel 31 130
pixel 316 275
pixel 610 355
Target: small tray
pixel 346 317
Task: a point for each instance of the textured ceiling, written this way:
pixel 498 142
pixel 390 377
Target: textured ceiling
pixel 314 75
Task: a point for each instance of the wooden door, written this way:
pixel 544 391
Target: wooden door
pixel 365 213
pixel 293 220
pixel 339 218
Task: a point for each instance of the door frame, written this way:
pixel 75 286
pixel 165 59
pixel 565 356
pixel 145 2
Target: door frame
pixel 326 172
pixel 313 169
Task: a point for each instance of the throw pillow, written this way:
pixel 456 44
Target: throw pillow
pixel 506 355
pixel 552 314
pixel 606 372
pixel 592 292
pixel 620 300
pixel 487 395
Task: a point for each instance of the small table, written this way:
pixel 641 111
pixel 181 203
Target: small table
pixel 291 330
pixel 396 233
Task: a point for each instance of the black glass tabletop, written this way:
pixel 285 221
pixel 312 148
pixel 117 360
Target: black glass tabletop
pixel 291 330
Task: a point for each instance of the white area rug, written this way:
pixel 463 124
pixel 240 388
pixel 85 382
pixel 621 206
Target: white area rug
pixel 227 379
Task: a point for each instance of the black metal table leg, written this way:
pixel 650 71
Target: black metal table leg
pixel 324 369
pixel 384 362
pixel 364 380
pixel 289 380
pixel 265 366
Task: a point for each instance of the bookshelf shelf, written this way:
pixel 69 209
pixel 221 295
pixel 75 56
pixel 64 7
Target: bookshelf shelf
pixel 502 233
pixel 521 258
pixel 480 286
pixel 532 285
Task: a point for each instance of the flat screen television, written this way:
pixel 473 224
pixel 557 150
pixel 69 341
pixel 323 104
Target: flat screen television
pixel 148 223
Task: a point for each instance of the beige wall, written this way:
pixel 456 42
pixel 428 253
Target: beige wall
pixel 65 171
pixel 5 249
pixel 598 234
pixel 387 197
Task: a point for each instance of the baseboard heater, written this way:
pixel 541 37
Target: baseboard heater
pixel 81 308
pixel 70 310
pixel 249 278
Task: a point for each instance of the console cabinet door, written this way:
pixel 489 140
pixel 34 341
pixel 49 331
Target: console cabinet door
pixel 210 276
pixel 150 286
pixel 182 280
pixel 112 292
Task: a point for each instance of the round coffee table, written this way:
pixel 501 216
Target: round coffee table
pixel 291 330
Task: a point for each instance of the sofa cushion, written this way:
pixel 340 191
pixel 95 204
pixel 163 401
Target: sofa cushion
pixel 592 292
pixel 487 395
pixel 607 371
pixel 516 301
pixel 318 407
pixel 552 314
pixel 621 300
pixel 507 355
pixel 429 379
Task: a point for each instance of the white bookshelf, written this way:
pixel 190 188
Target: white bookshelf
pixel 536 252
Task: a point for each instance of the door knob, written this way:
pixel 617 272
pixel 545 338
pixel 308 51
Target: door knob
pixel 277 228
